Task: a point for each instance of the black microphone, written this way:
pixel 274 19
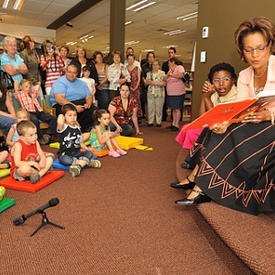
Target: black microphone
pixel 21 219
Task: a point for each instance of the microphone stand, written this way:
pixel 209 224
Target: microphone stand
pixel 45 221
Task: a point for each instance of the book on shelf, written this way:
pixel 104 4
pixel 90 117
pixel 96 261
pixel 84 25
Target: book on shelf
pixel 234 111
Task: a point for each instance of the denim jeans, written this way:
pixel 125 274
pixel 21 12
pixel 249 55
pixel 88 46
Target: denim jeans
pixel 127 130
pixel 69 160
pixel 103 98
pixel 5 123
pixel 51 120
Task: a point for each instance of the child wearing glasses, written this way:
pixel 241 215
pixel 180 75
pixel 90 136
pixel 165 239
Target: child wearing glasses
pixel 219 88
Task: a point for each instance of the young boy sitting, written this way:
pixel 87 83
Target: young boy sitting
pixel 25 154
pixel 69 153
pixel 27 98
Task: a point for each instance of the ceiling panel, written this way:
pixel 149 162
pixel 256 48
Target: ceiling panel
pixel 95 21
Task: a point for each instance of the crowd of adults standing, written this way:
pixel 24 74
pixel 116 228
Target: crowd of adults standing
pixel 58 77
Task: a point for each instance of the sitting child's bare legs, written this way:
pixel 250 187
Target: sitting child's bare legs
pixel 3 157
pixel 28 171
pixel 43 171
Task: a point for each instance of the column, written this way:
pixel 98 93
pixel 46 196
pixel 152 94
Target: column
pixel 117 26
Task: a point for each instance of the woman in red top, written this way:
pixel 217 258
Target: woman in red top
pixel 123 110
pixel 52 63
pixel 134 72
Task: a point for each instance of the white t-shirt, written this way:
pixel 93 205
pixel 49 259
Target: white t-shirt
pixel 90 83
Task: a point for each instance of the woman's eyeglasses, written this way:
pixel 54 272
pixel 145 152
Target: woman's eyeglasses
pixel 218 80
pixel 258 49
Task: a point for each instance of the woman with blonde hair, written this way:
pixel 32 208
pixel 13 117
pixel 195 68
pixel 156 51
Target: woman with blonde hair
pixel 81 60
pixel 11 62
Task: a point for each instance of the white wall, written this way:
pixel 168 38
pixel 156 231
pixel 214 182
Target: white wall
pixel 19 31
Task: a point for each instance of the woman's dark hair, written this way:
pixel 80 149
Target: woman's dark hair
pixel 25 43
pixel 174 60
pixel 125 84
pixel 65 47
pixel 258 24
pixel 98 114
pixel 221 67
pixel 130 54
pixel 86 68
pixel 68 107
pixel 97 53
pixel 147 55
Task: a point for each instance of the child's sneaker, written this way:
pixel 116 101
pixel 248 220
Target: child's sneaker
pixel 121 152
pixel 75 170
pixel 114 154
pixel 34 178
pixel 95 163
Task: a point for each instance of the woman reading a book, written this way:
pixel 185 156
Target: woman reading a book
pixel 236 162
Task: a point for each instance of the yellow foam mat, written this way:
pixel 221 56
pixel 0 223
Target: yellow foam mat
pixel 127 143
pixel 4 172
pixel 144 148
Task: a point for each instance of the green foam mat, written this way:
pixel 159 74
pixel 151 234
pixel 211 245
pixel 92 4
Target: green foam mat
pixel 6 203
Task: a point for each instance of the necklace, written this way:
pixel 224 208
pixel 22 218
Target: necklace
pixel 258 76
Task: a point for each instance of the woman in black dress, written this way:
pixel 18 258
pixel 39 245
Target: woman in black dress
pixel 237 161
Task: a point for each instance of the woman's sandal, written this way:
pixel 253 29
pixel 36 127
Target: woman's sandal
pixel 200 198
pixel 189 185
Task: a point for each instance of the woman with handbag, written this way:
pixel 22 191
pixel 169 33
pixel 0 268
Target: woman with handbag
pixel 11 62
pixel 117 75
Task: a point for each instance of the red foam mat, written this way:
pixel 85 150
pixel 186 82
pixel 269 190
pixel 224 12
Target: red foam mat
pixel 27 186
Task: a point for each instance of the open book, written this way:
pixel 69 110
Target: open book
pixel 233 111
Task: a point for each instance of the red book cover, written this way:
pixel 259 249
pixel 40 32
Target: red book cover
pixel 232 111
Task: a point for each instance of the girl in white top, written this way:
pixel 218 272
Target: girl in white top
pixel 89 81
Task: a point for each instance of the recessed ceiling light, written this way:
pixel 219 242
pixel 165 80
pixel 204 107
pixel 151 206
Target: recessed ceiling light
pixel 128 22
pixel 5 4
pixel 145 6
pixel 131 42
pixel 135 5
pixel 174 32
pixel 169 46
pixel 16 4
pixel 187 15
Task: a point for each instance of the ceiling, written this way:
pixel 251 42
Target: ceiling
pixel 148 27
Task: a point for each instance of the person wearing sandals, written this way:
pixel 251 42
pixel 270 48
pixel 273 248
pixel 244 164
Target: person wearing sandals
pixel 69 153
pixel 236 162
